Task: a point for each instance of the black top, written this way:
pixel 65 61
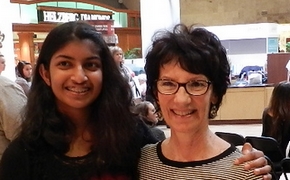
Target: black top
pixel 283 137
pixel 19 161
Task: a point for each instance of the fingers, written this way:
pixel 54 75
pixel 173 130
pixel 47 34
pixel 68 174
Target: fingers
pixel 250 154
pixel 267 177
pixel 264 171
pixel 254 159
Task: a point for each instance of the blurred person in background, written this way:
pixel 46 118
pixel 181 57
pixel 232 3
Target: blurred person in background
pixel 12 101
pixel 147 112
pixel 127 73
pixel 276 117
pixel 2 63
pixel 142 85
pixel 24 75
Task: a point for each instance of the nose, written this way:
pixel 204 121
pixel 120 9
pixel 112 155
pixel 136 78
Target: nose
pixel 79 75
pixel 181 96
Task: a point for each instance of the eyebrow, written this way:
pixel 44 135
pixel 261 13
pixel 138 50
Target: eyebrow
pixel 71 58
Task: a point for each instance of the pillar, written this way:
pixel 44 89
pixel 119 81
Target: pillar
pixel 26 46
pixel 8 49
pixel 156 15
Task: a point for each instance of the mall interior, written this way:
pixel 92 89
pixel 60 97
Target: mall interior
pixel 255 33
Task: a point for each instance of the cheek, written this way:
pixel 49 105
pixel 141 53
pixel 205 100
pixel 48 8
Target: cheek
pixel 163 101
pixel 203 105
pixel 56 81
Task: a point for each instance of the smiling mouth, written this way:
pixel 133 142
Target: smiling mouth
pixel 78 90
pixel 182 113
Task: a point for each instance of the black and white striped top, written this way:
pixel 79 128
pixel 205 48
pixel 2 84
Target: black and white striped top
pixel 153 165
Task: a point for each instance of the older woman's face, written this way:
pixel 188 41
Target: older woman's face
pixel 183 112
pixel 118 57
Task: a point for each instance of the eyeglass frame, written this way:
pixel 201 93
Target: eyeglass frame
pixel 184 86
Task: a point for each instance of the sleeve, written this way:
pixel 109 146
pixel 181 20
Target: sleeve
pixel 12 102
pixel 14 163
pixel 24 84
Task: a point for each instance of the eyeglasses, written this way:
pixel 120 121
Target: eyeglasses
pixel 195 88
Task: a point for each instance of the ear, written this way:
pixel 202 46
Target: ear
pixel 44 74
pixel 213 99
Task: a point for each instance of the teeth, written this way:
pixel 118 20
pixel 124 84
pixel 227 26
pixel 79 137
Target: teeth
pixel 182 113
pixel 82 90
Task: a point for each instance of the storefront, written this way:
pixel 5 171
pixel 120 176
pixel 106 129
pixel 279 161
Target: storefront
pixel 115 24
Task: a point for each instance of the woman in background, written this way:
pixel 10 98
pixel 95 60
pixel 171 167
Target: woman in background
pixel 147 112
pixel 24 75
pixel 276 117
pixel 127 73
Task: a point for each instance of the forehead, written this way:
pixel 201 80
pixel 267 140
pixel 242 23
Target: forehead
pixel 78 47
pixel 174 71
pixel 27 66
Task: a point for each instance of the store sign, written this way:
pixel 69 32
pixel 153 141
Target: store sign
pixel 57 17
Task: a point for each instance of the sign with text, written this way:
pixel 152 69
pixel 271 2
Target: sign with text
pixel 58 17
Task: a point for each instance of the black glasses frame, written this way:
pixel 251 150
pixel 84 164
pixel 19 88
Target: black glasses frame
pixel 184 86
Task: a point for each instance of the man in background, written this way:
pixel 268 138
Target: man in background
pixel 2 63
pixel 12 101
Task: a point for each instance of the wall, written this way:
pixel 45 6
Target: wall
pixel 238 103
pixel 224 12
pixel 156 15
pixel 132 4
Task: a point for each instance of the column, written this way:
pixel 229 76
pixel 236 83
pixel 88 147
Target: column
pixel 6 27
pixel 156 15
pixel 26 46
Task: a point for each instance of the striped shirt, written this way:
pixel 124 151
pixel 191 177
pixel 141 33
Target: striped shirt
pixel 153 165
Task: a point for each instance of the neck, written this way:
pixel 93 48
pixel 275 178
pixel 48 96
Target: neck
pixel 197 147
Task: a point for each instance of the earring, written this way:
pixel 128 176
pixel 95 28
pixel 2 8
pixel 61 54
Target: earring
pixel 213 111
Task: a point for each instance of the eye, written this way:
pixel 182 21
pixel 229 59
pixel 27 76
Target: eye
pixel 92 65
pixel 197 84
pixel 64 64
pixel 168 83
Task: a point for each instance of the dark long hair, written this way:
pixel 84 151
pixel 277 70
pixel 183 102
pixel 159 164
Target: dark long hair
pixel 110 119
pixel 19 70
pixel 197 51
pixel 279 107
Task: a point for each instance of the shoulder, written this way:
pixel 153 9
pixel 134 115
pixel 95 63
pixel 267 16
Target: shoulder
pixel 11 91
pixel 7 83
pixel 149 153
pixel 144 133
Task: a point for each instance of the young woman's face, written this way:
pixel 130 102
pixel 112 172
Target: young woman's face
pixel 2 64
pixel 75 75
pixel 27 71
pixel 152 116
pixel 181 111
pixel 118 57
